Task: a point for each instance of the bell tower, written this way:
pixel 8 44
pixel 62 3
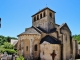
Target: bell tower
pixel 44 19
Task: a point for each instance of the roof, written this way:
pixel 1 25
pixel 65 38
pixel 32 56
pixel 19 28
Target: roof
pixel 50 39
pixel 30 31
pixel 43 10
pixel 57 24
pixel 14 42
pixel 64 24
pixel 52 30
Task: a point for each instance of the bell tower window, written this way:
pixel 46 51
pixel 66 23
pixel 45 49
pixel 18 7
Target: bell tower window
pixel 50 15
pixel 37 17
pixel 44 14
pixel 40 15
pixel 34 19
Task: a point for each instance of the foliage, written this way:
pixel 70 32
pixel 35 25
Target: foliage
pixel 20 58
pixel 7 47
pixel 77 37
pixel 5 39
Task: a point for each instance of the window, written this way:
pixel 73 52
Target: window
pixel 26 48
pixel 43 52
pixel 35 47
pixel 65 37
pixel 40 15
pixel 34 19
pixel 20 47
pixel 44 14
pixel 37 17
pixel 51 15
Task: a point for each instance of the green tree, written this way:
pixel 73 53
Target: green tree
pixel 7 47
pixel 77 37
pixel 20 58
pixel 5 39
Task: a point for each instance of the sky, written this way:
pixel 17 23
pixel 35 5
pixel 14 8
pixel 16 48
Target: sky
pixel 16 14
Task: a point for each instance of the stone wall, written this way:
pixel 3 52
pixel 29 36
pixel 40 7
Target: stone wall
pixel 74 48
pixel 47 49
pixel 26 45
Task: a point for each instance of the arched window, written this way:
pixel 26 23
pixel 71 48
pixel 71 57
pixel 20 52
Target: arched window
pixel 34 19
pixel 40 15
pixel 43 52
pixel 65 37
pixel 50 15
pixel 37 17
pixel 35 47
pixel 44 14
pixel 26 48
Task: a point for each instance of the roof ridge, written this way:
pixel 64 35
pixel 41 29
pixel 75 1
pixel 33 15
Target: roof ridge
pixel 37 29
pixel 62 25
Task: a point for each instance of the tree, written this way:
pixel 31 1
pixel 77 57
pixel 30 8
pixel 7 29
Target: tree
pixel 77 37
pixel 20 58
pixel 7 47
pixel 8 39
pixel 5 39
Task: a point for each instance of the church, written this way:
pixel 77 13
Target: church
pixel 46 40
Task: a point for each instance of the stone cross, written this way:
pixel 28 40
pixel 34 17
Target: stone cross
pixel 53 54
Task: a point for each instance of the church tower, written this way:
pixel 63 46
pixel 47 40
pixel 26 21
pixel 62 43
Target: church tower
pixel 44 19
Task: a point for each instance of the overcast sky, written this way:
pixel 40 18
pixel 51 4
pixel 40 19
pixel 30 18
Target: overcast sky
pixel 16 14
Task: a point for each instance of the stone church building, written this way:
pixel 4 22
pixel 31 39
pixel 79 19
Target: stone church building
pixel 46 40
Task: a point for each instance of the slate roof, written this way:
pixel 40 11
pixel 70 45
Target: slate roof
pixel 50 39
pixel 30 31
